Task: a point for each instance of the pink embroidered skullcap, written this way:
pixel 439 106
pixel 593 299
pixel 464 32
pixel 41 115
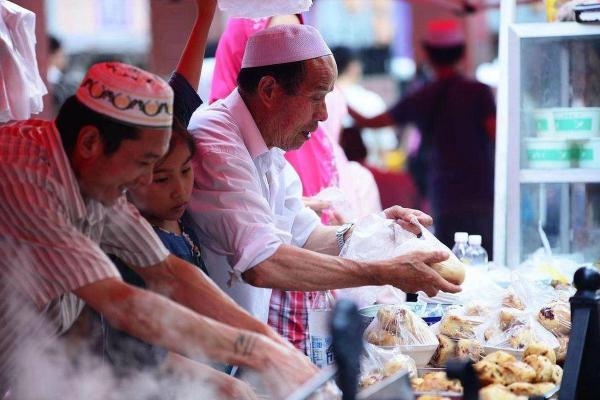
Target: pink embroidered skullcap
pixel 127 94
pixel 444 33
pixel 283 44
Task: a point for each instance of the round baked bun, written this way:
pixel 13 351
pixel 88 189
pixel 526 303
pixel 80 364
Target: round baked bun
pixel 451 270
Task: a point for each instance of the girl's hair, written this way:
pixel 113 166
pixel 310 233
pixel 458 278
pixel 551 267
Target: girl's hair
pixel 180 134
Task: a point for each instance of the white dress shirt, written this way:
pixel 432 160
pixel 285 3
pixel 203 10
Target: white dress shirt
pixel 247 199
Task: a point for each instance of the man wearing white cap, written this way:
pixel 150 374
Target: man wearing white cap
pixel 457 120
pixel 62 206
pixel 247 202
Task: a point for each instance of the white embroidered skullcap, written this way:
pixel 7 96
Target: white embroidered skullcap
pixel 444 33
pixel 284 44
pixel 127 94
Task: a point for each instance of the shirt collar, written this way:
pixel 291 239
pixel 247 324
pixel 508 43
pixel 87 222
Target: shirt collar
pixel 248 130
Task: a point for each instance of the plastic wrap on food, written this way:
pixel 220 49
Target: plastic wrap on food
pixel 556 317
pixel 457 325
pixel 398 325
pixel 261 8
pixel 378 364
pixel 519 336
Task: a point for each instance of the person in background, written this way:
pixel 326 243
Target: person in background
pixel 314 162
pixel 57 65
pixel 246 204
pixel 457 120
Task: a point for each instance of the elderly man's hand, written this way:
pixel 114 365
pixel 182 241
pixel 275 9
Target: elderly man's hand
pixel 404 217
pixel 412 273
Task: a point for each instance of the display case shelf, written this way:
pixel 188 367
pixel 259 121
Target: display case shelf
pixel 574 175
pixel 554 30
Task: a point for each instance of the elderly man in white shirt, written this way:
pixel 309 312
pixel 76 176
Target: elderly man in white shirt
pixel 247 199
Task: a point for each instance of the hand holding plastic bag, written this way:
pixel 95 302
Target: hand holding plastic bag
pixel 262 8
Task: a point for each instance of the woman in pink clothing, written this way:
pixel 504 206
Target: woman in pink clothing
pixel 314 163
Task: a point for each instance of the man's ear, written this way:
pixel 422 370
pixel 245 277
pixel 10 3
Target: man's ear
pixel 89 143
pixel 268 90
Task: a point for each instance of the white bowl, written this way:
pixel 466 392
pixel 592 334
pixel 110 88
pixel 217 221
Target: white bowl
pixel 420 353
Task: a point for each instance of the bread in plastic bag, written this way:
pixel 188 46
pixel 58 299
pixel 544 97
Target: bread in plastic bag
pixel 556 317
pixel 456 325
pixel 378 364
pixel 261 8
pixel 522 335
pixel 398 325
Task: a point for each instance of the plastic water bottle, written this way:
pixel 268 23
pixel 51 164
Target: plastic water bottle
pixel 461 244
pixel 319 331
pixel 476 254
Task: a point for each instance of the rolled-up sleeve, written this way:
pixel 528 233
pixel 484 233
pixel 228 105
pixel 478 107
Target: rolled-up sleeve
pixel 232 217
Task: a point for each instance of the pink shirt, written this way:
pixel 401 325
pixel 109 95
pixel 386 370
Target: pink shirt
pixel 314 161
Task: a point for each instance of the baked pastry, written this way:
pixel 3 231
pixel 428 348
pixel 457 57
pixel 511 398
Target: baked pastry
pixel 561 353
pixel 488 372
pixel 531 389
pixel 445 351
pixel 405 325
pixel 457 327
pixel 491 332
pixel 438 382
pixel 511 300
pixel 477 309
pixel 556 317
pixel 521 338
pixel 557 374
pixel 497 392
pixel 398 363
pixel 510 317
pixel 370 379
pixel 543 367
pixel 380 337
pixel 542 350
pixel 451 269
pixel 499 357
pixel 469 348
pixel 516 371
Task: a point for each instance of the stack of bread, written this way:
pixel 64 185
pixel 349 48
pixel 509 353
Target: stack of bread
pixel 504 377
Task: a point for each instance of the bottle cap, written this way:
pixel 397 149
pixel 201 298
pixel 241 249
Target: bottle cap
pixel 462 237
pixel 475 240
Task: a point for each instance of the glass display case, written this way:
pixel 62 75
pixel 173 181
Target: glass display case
pixel 548 146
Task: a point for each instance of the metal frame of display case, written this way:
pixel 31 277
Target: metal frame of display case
pixel 509 175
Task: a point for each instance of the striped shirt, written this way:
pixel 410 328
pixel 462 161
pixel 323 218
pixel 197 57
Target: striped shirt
pixel 52 241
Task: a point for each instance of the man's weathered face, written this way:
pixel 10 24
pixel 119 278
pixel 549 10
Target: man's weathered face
pixel 297 115
pixel 105 178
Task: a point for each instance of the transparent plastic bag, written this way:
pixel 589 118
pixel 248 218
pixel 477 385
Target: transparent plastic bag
pixel 261 8
pixel 378 363
pixel 338 201
pixel 456 324
pixel 21 87
pixel 398 326
pixel 521 335
pixel 556 317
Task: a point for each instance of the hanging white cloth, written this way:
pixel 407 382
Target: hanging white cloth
pixel 261 8
pixel 21 86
